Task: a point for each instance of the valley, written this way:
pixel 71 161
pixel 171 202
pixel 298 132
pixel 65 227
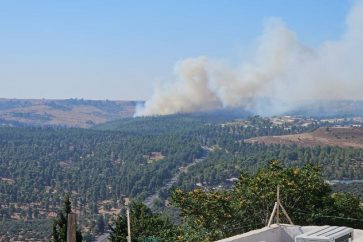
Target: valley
pixel 146 158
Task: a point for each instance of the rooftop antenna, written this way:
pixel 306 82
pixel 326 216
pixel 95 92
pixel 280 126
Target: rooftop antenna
pixel 276 210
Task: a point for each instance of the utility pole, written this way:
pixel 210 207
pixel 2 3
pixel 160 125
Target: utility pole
pixel 276 210
pixel 127 203
pixel 71 227
pixel 278 207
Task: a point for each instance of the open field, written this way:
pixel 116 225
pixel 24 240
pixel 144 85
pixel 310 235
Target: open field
pixel 332 136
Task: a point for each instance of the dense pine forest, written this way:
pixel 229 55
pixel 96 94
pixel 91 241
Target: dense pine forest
pixel 135 157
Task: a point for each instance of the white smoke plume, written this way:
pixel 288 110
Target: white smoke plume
pixel 282 69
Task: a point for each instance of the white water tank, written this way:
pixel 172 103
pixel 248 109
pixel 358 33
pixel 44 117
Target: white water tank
pixel 327 234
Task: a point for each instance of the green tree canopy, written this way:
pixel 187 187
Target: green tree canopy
pixel 59 233
pixel 212 215
pixel 145 225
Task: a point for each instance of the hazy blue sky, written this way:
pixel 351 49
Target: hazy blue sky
pixel 120 49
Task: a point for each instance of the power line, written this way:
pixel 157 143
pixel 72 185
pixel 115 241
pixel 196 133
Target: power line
pixel 327 216
pixel 241 227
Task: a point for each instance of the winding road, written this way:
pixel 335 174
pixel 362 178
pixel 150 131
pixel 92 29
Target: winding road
pixel 150 199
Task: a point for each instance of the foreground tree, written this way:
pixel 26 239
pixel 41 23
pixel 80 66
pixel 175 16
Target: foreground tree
pixel 303 192
pixel 207 215
pixel 119 231
pixel 100 225
pixel 59 233
pixel 346 205
pixel 212 215
pixel 145 225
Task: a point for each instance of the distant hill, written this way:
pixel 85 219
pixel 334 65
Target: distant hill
pixel 307 108
pixel 69 112
pixel 329 108
pixel 88 113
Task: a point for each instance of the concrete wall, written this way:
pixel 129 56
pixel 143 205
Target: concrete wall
pixel 271 234
pixel 281 233
pixel 288 233
pixel 275 233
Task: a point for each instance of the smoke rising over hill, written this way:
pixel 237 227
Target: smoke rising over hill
pixel 282 69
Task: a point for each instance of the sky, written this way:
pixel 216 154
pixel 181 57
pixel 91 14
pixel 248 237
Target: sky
pixel 120 50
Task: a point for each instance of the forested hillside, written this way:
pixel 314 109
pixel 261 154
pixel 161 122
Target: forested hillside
pixel 136 157
pixel 222 165
pixel 40 165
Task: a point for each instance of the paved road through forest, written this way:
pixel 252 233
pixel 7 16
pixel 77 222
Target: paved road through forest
pixel 150 199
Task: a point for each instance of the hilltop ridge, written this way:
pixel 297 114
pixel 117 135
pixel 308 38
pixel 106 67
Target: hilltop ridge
pixel 67 112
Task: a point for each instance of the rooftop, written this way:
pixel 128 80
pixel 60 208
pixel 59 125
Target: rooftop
pixel 288 233
pixel 326 233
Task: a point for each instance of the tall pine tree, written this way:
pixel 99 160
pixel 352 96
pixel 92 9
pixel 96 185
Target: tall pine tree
pixel 60 223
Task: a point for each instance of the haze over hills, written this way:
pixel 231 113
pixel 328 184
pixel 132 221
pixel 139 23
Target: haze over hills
pixel 68 112
pixel 87 113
